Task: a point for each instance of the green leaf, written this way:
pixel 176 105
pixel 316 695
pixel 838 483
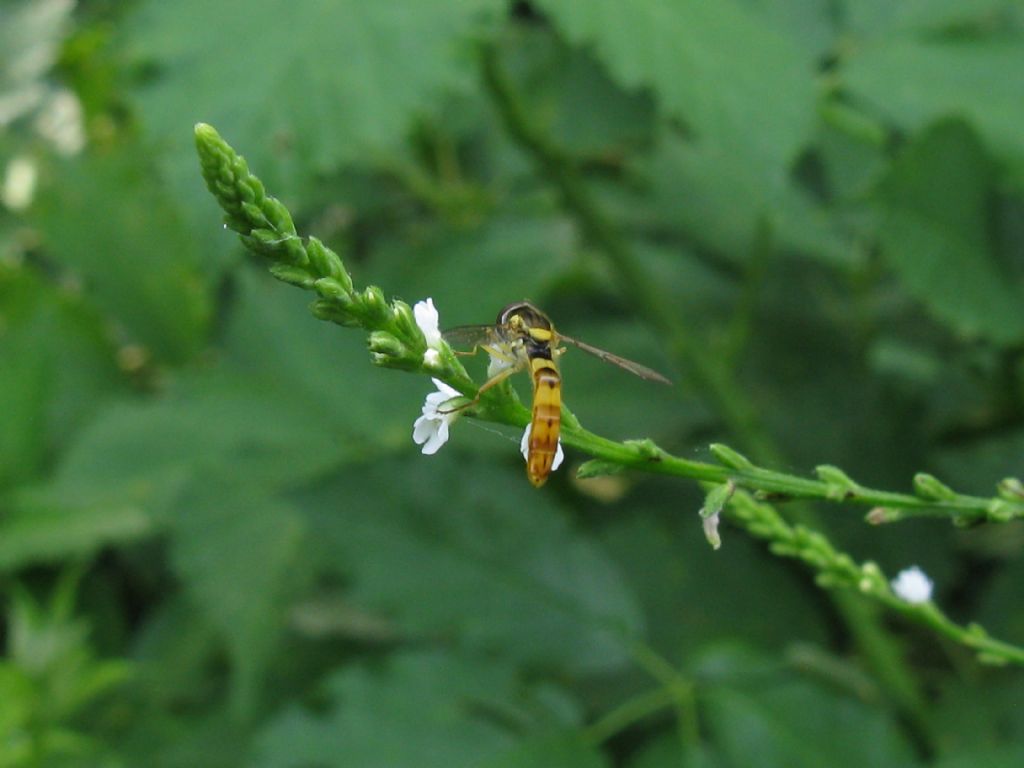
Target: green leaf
pixel 791 723
pixel 336 83
pixel 316 372
pixel 57 369
pixel 565 750
pixel 710 67
pixel 987 756
pixel 935 233
pixel 150 452
pixel 115 227
pixel 667 564
pixel 975 466
pixel 37 528
pixel 579 85
pixel 852 150
pixel 667 752
pixel 875 18
pixel 473 272
pixel 237 551
pixel 285 405
pixel 980 720
pixel 809 24
pixel 450 544
pixel 710 191
pixel 23 391
pixel 422 711
pixel 975 79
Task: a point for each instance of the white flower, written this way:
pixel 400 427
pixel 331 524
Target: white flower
pixel 19 183
pixel 432 358
pixel 62 122
pixel 711 530
pixel 427 319
pixel 912 586
pixel 524 447
pixel 431 429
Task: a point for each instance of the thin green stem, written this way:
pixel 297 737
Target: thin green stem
pixel 836 569
pixel 648 457
pixel 680 690
pixel 628 713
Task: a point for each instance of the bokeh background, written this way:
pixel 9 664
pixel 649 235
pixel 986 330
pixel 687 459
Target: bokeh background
pixel 218 543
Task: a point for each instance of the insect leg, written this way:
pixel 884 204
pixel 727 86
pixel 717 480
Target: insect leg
pixel 493 381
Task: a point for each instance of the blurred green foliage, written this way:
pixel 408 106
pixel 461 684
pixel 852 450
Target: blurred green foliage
pixel 218 544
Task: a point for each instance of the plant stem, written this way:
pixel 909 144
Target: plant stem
pixel 648 457
pixel 632 711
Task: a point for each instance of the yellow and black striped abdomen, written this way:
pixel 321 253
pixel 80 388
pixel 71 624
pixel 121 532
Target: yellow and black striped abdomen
pixel 547 419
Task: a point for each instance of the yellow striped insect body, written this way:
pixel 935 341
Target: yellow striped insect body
pixel 523 337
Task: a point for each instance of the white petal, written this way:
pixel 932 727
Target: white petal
pixel 433 401
pixel 913 586
pixel 449 391
pixel 427 319
pixel 431 428
pixel 19 183
pixel 711 530
pixel 559 457
pixel 432 358
pixel 524 448
pixel 438 438
pixel 423 428
pixel 432 404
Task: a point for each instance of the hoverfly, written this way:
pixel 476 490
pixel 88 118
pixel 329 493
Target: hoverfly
pixel 524 337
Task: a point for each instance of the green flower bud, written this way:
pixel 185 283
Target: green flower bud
pixel 717 498
pixel 647 449
pixel 882 515
pixel 228 193
pixel 327 263
pixel 840 486
pixel 374 306
pixel 253 187
pixel 598 468
pixel 329 288
pixel 332 311
pixel 292 275
pixel 931 488
pixel 254 214
pixel 294 251
pixel 1000 511
pixel 404 322
pixel 278 215
pixel 264 241
pixel 1011 489
pixel 729 457
pixel 388 351
pixel 384 343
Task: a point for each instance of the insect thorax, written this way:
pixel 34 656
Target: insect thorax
pixel 524 315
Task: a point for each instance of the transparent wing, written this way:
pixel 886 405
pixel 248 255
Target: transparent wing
pixel 628 365
pixel 470 336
